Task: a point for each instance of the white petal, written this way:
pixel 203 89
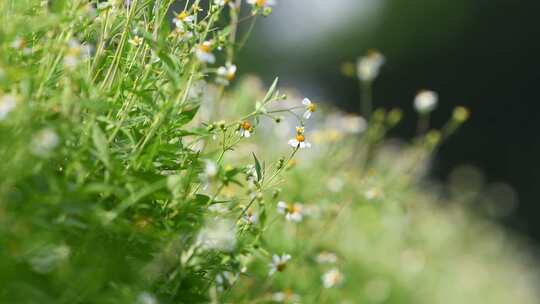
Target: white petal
pixel 307 114
pixel 306 101
pixel 281 207
pixel 222 71
pixel 293 143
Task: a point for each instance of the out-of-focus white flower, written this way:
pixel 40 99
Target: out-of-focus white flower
pixel 210 168
pixel 136 41
pixel 146 298
pixel 372 194
pixel 223 2
pixel 18 43
pixel 332 278
pixel 287 296
pixel 183 18
pixel 299 141
pixel 75 53
pixel 245 129
pixel 310 108
pixel 251 217
pixel 218 235
pixel 44 142
pixel 225 279
pixel 368 67
pixel 8 103
pixel 262 3
pixel 292 212
pixel 21 45
pixel 425 101
pixel 204 52
pixel 181 34
pixel 226 74
pixel 279 263
pixel 326 257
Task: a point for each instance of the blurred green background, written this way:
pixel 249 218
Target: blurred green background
pixel 478 53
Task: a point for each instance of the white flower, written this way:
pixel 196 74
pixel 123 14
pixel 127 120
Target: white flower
pixel 136 41
pixel 204 52
pixel 262 3
pixel 75 53
pixel 372 194
pixel 210 169
pixel 225 279
pixel 326 257
pixel 181 34
pixel 425 101
pixel 332 278
pixel 226 74
pixel 279 263
pixel 310 107
pixel 21 45
pixel 44 142
pixel 183 18
pixel 292 212
pixel 286 296
pixel 7 104
pixel 245 129
pixel 368 66
pixel 299 141
pixel 251 217
pixel 146 298
pixel 218 235
pixel 223 2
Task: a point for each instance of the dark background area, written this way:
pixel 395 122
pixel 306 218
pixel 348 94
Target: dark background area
pixel 478 53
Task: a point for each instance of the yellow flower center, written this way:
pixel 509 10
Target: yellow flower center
pixel 246 125
pixel 260 3
pixel 230 76
pixel 294 209
pixel 300 137
pixel 312 107
pixel 182 16
pixel 205 47
pixel 281 266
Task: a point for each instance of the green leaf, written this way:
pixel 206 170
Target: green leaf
pixel 102 145
pixel 187 115
pixel 257 168
pixel 271 91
